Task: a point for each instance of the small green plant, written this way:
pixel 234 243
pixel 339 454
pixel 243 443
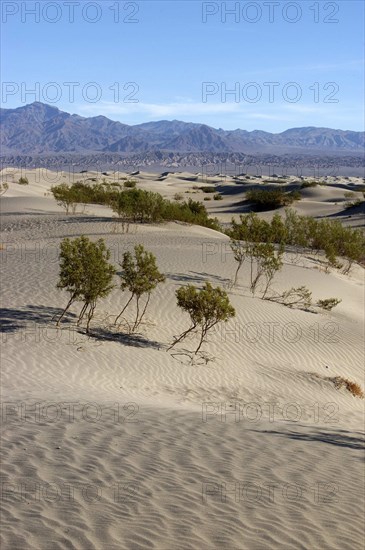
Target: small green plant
pixel 140 276
pixel 268 262
pixel 270 198
pixel 351 204
pixel 239 250
pixel 349 194
pixel 64 197
pixel 178 197
pixel 207 198
pixel 85 274
pixel 206 307
pixel 218 197
pixel 207 189
pixel 130 184
pixel 23 180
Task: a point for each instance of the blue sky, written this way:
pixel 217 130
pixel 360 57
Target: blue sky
pixel 289 64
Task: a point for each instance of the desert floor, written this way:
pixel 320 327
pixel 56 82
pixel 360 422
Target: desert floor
pixel 111 442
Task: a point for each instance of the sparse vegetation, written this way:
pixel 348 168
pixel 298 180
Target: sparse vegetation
pixel 268 199
pixel 130 184
pixel 23 180
pixel 208 189
pixel 251 238
pixel 3 188
pixel 218 197
pixel 352 387
pixel 85 274
pixel 301 298
pixel 268 262
pixel 140 276
pixel 206 307
pixel 328 303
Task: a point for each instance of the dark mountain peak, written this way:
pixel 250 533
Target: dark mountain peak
pixel 39 128
pixel 41 109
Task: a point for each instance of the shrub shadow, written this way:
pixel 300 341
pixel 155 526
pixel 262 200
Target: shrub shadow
pixel 12 320
pixel 134 340
pixel 341 438
pixel 195 277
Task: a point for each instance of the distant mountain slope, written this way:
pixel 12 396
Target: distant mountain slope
pixel 43 129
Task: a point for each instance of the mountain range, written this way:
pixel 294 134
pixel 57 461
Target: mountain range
pixel 43 129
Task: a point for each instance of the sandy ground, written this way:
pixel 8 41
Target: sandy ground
pixel 111 442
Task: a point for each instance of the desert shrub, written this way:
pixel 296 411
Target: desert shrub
pixel 245 236
pixel 268 262
pixel 207 198
pixel 130 184
pixel 206 307
pixel 329 236
pixel 299 297
pixel 138 205
pixel 250 228
pixel 349 194
pixel 3 187
pixel 64 197
pixel 267 199
pixel 178 197
pixel 328 303
pixel 278 231
pixel 351 204
pixel 239 250
pixel 23 180
pixel 352 387
pixel 218 197
pixel 207 189
pixel 85 274
pixel 140 276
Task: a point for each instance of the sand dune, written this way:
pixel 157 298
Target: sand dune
pixel 110 442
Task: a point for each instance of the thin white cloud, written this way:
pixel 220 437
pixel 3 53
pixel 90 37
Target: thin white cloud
pixel 160 110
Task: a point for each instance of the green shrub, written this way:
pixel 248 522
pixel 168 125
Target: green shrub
pixel 207 189
pixel 85 274
pixel 138 205
pixel 330 236
pixel 23 180
pixel 207 198
pixel 351 204
pixel 207 307
pixel 267 199
pixel 140 276
pixel 130 184
pixel 218 197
